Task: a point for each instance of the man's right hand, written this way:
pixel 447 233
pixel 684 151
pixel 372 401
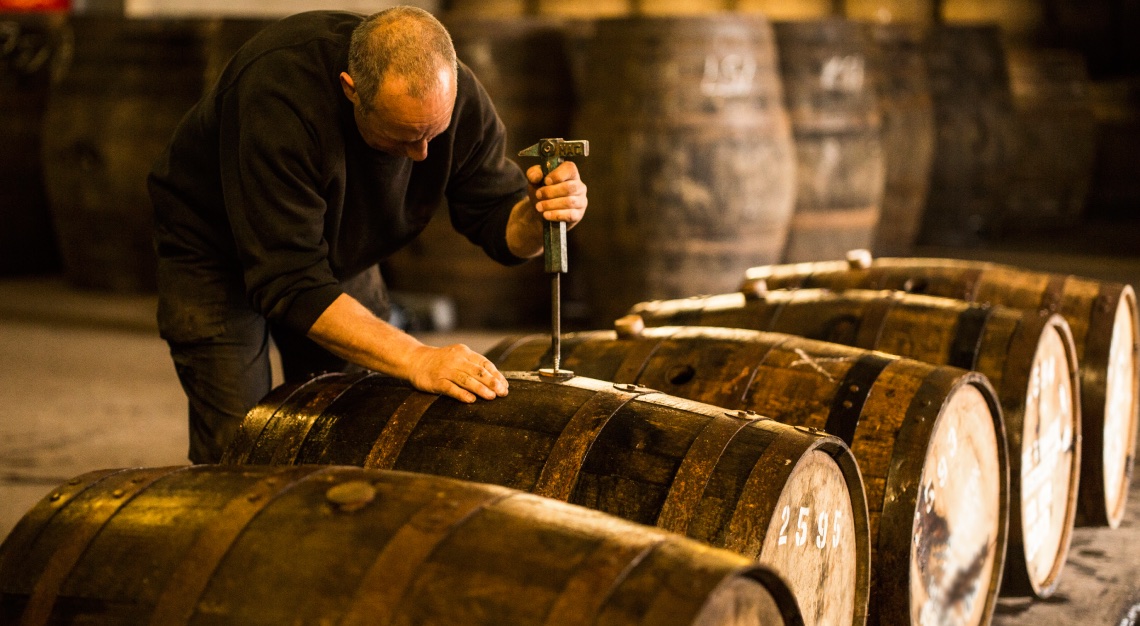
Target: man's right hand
pixel 456 371
pixel 349 330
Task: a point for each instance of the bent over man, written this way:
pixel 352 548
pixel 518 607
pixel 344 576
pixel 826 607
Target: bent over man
pixel 326 145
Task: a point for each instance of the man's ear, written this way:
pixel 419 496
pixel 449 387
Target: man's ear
pixel 349 88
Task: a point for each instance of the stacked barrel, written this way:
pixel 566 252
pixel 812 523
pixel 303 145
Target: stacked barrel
pixel 1060 352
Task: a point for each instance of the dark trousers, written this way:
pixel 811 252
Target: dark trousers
pixel 224 365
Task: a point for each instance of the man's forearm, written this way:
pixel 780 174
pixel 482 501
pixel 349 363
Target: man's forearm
pixel 349 330
pixel 352 332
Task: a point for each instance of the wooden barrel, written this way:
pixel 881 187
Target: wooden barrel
pixel 1055 141
pixel 973 116
pixel 912 13
pixel 114 105
pixel 791 497
pixel 28 43
pixel 691 168
pixel 929 440
pixel 1029 358
pixel 524 66
pixel 1019 21
pixel 1115 189
pixel 788 9
pixel 1103 319
pixel 830 72
pixel 322 545
pixel 907 135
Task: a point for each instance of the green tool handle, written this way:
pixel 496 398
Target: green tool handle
pixel 554 233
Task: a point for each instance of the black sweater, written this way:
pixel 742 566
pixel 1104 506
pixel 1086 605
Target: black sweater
pixel 268 188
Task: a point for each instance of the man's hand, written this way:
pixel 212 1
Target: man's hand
pixel 560 197
pixel 456 371
pixel 349 330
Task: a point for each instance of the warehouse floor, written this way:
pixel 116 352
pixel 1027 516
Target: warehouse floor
pixel 85 384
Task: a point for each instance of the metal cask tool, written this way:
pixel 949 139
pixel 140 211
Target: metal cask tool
pixel 553 152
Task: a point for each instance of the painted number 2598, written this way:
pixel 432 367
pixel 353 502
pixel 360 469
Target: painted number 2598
pixel 803 531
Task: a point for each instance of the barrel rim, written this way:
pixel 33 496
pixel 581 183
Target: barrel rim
pixel 1018 580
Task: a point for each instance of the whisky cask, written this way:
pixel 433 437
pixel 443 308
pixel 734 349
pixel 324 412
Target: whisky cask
pixel 790 497
pixel 115 101
pixel 1103 319
pixel 929 440
pixel 830 72
pixel 691 168
pixel 323 545
pixel 1029 358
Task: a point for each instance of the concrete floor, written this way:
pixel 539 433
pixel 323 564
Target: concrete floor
pixel 85 384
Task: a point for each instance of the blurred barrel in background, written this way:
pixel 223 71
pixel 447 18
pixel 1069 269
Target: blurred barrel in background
pixel 117 97
pixel 1055 140
pixel 28 46
pixel 691 168
pixel 1102 316
pixel 523 63
pixel 830 72
pixel 907 135
pixel 973 148
pixel 790 497
pixel 936 550
pixel 1115 189
pixel 319 545
pixel 1029 358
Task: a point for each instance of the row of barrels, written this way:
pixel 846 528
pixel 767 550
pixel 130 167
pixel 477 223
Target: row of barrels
pixel 758 144
pixel 905 477
pixel 726 141
pixel 90 102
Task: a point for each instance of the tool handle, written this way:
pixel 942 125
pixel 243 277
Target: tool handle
pixel 554 233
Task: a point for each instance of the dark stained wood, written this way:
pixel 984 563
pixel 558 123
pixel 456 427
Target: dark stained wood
pixel 1056 140
pixel 907 135
pixel 721 477
pixel 1028 357
pixel 692 166
pixel 115 102
pixel 830 71
pixel 1103 319
pixel 973 148
pixel 309 544
pixel 909 423
pixel 28 44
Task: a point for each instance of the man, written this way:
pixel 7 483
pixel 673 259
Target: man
pixel 326 145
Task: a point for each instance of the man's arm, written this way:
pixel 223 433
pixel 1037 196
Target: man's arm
pixel 349 330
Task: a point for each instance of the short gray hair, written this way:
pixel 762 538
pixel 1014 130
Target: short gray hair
pixel 407 41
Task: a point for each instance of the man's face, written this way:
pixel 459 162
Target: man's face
pixel 399 124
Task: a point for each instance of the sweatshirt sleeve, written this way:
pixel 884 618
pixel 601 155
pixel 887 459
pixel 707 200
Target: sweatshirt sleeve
pixel 270 163
pixel 484 185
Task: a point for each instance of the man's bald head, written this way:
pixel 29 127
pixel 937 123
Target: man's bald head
pixel 402 41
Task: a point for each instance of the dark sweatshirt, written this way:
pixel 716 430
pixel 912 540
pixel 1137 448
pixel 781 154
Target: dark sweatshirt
pixel 268 189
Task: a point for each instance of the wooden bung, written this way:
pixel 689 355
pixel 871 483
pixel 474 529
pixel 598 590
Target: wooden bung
pixel 1029 358
pixel 1101 315
pixel 929 440
pixel 322 545
pixel 791 497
